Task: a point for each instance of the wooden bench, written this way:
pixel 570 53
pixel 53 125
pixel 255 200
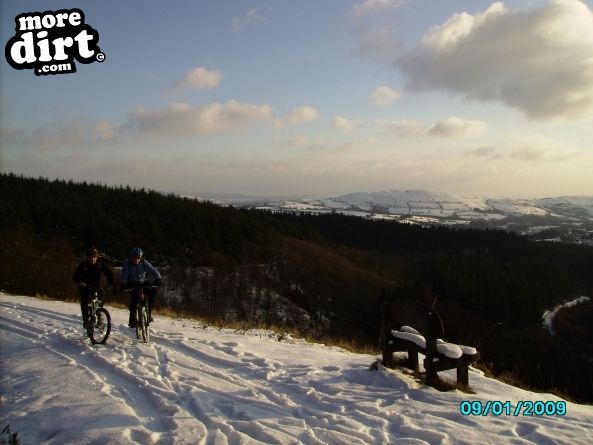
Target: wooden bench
pixel 412 327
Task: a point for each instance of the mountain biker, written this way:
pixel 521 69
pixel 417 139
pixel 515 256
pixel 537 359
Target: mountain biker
pixel 88 276
pixel 134 273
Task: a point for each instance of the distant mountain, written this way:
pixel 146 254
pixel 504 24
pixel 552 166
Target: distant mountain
pixel 565 218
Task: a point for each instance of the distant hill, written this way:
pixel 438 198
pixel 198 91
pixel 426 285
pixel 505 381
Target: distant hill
pixel 565 218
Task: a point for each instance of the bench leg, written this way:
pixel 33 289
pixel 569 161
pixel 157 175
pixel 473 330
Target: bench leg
pixel 431 377
pixel 388 358
pixel 413 360
pixel 431 373
pixel 462 375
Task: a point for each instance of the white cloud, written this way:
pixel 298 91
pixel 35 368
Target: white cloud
pixel 297 116
pixel 376 6
pixel 346 125
pixel 200 78
pixel 183 119
pixel 253 17
pixel 456 127
pixel 384 96
pixel 538 61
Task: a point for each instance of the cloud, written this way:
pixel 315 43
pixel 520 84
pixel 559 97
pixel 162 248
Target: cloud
pixel 484 151
pixel 251 18
pixel 384 96
pixel 104 131
pixel 376 6
pixel 181 119
pixel 537 61
pixel 404 128
pixel 299 141
pixel 297 116
pixel 346 125
pixel 531 148
pixel 71 134
pixel 452 127
pixel 456 127
pixel 376 42
pixel 200 78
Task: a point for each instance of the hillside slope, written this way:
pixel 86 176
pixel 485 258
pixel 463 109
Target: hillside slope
pixel 201 385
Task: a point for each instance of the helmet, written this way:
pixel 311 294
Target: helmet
pixel 92 252
pixel 137 252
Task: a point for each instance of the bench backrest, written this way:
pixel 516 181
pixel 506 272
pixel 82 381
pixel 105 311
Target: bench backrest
pixel 421 317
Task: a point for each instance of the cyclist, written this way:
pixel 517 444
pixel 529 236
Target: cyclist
pixel 134 273
pixel 88 276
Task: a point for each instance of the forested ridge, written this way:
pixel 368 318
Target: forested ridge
pixel 330 271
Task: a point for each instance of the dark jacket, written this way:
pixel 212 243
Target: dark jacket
pixel 91 273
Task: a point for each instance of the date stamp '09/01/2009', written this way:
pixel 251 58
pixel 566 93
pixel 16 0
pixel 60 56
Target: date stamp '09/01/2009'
pixel 521 408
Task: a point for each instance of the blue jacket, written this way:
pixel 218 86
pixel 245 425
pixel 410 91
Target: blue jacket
pixel 136 274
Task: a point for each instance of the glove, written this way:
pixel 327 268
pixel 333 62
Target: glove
pixel 157 282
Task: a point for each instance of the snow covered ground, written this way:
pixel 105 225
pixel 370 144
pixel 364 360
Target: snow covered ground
pixel 198 385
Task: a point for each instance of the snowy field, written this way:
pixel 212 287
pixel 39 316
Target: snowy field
pixel 197 385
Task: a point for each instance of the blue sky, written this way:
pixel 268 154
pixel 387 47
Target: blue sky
pixel 313 98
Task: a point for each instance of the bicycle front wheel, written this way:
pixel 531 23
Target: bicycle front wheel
pixel 138 321
pixel 144 325
pixel 100 326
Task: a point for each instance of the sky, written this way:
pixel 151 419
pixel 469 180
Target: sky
pixel 197 384
pixel 312 98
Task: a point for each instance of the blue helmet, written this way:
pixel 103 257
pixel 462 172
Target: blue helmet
pixel 137 252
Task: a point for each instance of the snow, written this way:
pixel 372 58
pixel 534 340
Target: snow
pixel 447 349
pixel 516 207
pixel 548 317
pixel 427 208
pixel 194 384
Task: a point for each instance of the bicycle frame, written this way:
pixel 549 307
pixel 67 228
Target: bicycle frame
pixel 141 312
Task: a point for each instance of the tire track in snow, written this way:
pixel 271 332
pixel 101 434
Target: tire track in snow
pixel 115 380
pixel 262 390
pixel 48 315
pixel 284 395
pixel 224 413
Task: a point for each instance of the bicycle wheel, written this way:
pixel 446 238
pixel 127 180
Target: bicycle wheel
pixel 144 326
pixel 138 321
pixel 100 326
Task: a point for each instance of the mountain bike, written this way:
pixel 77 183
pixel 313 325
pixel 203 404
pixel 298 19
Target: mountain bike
pixel 141 311
pixel 98 324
